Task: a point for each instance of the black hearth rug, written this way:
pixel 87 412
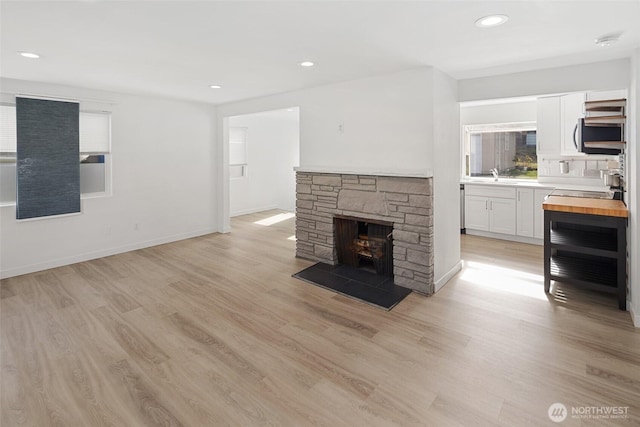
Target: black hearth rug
pixel 356 283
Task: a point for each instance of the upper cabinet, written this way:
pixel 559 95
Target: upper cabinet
pixel 548 126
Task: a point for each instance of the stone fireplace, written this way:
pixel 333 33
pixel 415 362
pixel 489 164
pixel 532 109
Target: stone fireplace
pixel 403 203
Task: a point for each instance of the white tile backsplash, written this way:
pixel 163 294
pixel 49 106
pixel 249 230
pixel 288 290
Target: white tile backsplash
pixel 578 168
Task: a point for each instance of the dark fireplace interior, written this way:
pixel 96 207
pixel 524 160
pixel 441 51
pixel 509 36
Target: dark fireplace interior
pixel 365 244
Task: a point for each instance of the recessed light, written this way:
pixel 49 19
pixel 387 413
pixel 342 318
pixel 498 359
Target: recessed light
pixel 215 87
pixel 608 39
pixel 491 21
pixel 29 55
pixel 307 64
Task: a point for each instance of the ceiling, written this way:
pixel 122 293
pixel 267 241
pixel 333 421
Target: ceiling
pixel 252 48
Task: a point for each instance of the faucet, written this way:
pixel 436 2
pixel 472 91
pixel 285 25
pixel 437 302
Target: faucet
pixel 494 172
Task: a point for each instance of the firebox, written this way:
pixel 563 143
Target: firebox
pixel 365 244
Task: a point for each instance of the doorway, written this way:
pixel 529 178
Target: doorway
pixel 263 150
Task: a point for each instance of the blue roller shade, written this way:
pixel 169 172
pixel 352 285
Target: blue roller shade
pixel 48 166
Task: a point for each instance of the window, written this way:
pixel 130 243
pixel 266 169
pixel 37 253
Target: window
pixel 95 147
pixel 237 152
pixel 510 148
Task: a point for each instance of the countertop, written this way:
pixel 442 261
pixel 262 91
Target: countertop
pixel 580 205
pixel 532 184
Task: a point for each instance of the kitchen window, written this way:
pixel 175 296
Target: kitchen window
pixel 510 148
pixel 95 148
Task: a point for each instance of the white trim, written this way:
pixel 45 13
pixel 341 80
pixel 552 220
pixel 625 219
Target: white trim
pixel 439 284
pixel 47 98
pixel 510 237
pixel 365 171
pixel 38 218
pixel 58 98
pixel 255 210
pixel 635 317
pixel 32 268
pixel 83 196
pixel 499 127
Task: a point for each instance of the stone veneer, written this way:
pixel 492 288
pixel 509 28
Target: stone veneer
pixel 407 202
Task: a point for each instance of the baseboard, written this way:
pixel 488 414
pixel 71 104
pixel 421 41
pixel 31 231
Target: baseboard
pixel 512 238
pixel 635 317
pixel 252 211
pixel 448 275
pixel 32 268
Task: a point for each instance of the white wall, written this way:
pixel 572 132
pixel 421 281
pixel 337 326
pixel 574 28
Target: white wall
pixel 516 111
pixel 595 76
pixel 273 141
pixel 446 178
pixel 388 124
pixel 633 190
pixel 163 168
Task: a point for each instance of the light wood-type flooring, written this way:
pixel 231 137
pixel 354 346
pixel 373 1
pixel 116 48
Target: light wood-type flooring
pixel 214 331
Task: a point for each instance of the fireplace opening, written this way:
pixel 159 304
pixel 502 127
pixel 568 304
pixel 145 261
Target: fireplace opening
pixel 365 244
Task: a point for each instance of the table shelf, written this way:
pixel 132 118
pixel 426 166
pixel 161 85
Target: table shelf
pixel 586 250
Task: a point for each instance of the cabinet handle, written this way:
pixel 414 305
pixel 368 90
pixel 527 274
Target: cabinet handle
pixel 486 205
pixel 518 196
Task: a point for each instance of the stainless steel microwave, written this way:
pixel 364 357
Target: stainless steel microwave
pixel 585 134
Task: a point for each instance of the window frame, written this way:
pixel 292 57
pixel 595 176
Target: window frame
pixel 469 129
pixel 11 157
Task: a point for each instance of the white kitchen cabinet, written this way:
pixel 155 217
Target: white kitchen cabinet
pixel 476 213
pixel 571 110
pixel 538 212
pixel 524 212
pixel 548 126
pixel 502 216
pixel 489 208
pixel 511 212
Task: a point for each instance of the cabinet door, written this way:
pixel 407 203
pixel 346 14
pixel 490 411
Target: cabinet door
pixel 524 212
pixel 538 212
pixel 571 110
pixel 476 213
pixel 502 216
pixel 548 126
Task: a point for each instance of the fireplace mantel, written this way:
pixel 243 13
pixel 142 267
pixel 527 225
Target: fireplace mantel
pixel 397 197
pixel 365 171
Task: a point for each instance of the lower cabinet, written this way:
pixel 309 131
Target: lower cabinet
pixel 476 213
pixel 507 210
pixel 524 212
pixel 502 215
pixel 491 209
